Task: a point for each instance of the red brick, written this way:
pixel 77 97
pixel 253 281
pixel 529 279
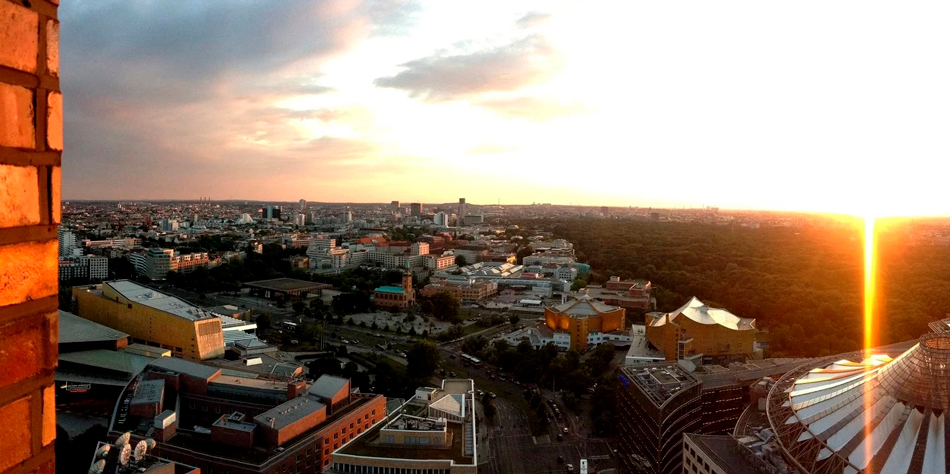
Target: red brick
pixel 28 271
pixel 54 121
pixel 19 34
pixel 49 415
pixel 56 182
pixel 15 441
pixel 19 196
pixel 21 355
pixel 16 105
pixel 52 47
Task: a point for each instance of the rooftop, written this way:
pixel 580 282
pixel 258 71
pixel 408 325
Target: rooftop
pixel 73 329
pixel 112 361
pixel 148 392
pixel 290 412
pixel 584 306
pixel 659 381
pixel 185 367
pixel 234 421
pixel 368 444
pixel 155 299
pixel 698 312
pixel 726 452
pixel 328 386
pixel 286 284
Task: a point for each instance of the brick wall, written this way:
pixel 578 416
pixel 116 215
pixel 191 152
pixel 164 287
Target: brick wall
pixel 31 144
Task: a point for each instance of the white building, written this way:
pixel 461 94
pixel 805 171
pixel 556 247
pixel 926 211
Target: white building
pixel 67 242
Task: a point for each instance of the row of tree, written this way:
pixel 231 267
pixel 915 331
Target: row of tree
pixel 803 285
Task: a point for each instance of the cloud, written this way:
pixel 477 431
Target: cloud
pixel 490 149
pixel 533 108
pixel 533 19
pixel 505 68
pixel 190 86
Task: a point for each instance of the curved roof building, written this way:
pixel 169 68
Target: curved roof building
pixel 584 316
pixel 698 331
pixel 867 412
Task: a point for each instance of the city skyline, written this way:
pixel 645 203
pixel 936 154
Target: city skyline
pixel 740 106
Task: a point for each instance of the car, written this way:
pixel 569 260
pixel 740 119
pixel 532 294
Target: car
pixel 492 394
pixel 491 377
pixel 481 393
pixel 560 459
pixel 560 437
pixel 570 468
pixel 565 430
pixel 452 374
pixel 451 356
pixel 402 354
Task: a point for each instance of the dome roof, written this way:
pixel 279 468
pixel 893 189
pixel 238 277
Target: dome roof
pixel 868 412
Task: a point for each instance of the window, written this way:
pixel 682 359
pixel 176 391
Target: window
pixel 217 409
pixel 326 441
pixel 336 435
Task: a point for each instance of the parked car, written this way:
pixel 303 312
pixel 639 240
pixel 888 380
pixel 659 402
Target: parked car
pixel 570 468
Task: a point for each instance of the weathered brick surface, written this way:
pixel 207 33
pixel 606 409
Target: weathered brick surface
pixel 28 271
pixel 18 27
pixel 52 47
pixel 19 196
pixel 21 356
pixel 31 143
pixel 49 415
pixel 16 104
pixel 15 444
pixel 56 182
pixel 54 123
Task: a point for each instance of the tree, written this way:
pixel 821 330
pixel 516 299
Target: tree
pixel 514 319
pixel 298 307
pixel 488 407
pixel 460 260
pixel 264 321
pixel 445 307
pixel 423 358
pixel 578 284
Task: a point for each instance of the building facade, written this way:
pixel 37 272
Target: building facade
pixel 152 317
pixel 696 331
pixel 584 316
pixel 396 296
pixel 657 404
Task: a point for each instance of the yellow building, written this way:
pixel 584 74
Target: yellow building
pixel 584 316
pixel 152 318
pixel 697 330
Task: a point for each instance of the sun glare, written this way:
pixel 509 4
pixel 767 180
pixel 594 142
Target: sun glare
pixel 870 325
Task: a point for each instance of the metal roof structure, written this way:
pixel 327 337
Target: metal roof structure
pixel 73 329
pixel 148 392
pixel 286 284
pixel 99 360
pixel 867 412
pixel 698 312
pixel 659 381
pixel 157 300
pixel 289 412
pixel 584 306
pixel 328 386
pixel 390 289
pixel 172 364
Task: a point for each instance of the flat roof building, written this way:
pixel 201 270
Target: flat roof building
pixel 435 431
pixel 284 288
pixel 221 422
pixel 152 317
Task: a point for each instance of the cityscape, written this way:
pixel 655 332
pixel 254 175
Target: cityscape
pixel 419 237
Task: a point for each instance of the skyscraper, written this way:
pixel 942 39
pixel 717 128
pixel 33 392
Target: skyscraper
pixel 415 209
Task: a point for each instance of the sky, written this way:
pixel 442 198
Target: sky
pixel 808 106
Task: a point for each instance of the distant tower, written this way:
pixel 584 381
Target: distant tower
pixel 303 204
pixel 407 283
pixel 395 205
pixel 463 211
pixel 415 209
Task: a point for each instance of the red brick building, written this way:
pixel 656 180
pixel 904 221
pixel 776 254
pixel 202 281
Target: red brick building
pixel 224 423
pixel 31 145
